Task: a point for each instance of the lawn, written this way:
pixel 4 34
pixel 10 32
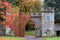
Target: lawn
pixel 11 38
pixel 51 38
pixel 30 33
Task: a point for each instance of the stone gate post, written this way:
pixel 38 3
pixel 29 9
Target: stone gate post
pixel 48 22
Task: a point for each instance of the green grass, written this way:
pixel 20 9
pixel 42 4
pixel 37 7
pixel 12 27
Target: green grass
pixel 30 33
pixel 11 37
pixel 52 38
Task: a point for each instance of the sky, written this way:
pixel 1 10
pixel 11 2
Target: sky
pixel 42 0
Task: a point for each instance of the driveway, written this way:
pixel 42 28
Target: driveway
pixel 32 38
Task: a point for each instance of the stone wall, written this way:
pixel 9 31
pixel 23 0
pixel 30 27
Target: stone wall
pixel 57 27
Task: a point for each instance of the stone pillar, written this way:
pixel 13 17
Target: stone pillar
pixel 37 27
pixel 23 19
pixel 37 21
pixel 48 22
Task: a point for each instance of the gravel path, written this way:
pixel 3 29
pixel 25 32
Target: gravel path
pixel 32 38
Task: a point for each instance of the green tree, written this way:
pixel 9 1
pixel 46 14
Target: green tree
pixel 56 4
pixel 57 11
pixel 49 3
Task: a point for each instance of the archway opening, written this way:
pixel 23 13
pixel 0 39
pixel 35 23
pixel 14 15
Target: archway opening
pixel 30 29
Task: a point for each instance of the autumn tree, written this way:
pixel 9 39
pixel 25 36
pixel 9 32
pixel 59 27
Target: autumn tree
pixel 28 6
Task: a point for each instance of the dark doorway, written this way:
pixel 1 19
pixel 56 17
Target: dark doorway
pixel 30 28
pixel 58 32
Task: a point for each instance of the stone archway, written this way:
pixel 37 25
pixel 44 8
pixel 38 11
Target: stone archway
pixel 30 28
pixel 24 18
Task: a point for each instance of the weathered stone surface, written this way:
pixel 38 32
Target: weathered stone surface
pixel 37 22
pixel 48 23
pixel 57 28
